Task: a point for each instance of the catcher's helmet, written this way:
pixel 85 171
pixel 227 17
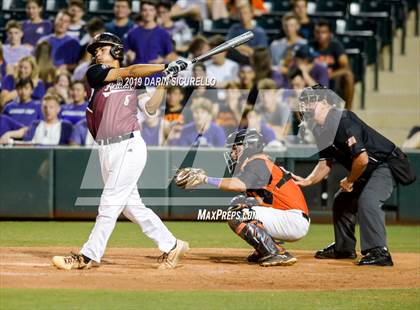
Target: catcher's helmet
pixel 251 140
pixel 104 39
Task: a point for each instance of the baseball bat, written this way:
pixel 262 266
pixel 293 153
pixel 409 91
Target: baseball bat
pixel 232 43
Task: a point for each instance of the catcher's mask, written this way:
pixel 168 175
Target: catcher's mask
pixel 252 143
pixel 107 39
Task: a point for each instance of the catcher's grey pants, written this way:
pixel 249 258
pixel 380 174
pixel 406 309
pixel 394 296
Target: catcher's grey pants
pixel 121 166
pixel 363 204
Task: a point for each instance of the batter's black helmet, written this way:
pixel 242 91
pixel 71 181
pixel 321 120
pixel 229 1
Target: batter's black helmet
pixel 252 141
pixel 104 39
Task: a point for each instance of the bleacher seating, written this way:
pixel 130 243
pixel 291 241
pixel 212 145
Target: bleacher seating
pixel 272 25
pixel 280 6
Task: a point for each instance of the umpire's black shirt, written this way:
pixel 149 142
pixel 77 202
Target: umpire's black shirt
pixel 352 137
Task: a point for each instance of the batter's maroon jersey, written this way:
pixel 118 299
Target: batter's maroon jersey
pixel 112 109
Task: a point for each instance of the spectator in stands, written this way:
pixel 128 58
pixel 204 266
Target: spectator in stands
pixel 35 27
pixel 148 42
pixel 413 139
pixel 297 83
pixel 10 129
pixel 199 45
pixel 262 63
pixel 274 111
pixel 246 77
pixel 77 10
pixel 193 9
pixel 332 54
pixel 122 22
pixel 51 130
pixel 174 105
pixel 300 9
pixel 81 135
pixel 24 110
pixel 252 119
pixel 283 50
pixel 76 110
pixel 93 27
pixel 230 109
pixel 248 24
pixel 202 89
pixel 45 64
pixel 61 87
pixel 3 66
pixel 311 71
pixel 174 111
pixel 202 131
pixel 26 68
pixel 220 68
pixel 15 50
pixel 257 6
pixel 154 130
pixel 178 30
pixel 65 49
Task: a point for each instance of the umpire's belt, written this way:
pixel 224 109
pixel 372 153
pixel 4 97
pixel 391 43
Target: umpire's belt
pixel 117 139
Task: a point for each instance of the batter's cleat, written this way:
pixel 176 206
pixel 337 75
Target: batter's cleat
pixel 254 257
pixel 330 253
pixel 74 261
pixel 379 256
pixel 285 259
pixel 170 260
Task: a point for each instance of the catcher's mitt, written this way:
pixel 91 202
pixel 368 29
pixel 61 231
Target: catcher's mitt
pixel 189 177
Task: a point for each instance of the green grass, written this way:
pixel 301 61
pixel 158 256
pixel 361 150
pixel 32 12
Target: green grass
pixel 203 234
pixel 80 299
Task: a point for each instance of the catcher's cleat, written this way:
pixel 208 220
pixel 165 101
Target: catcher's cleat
pixel 285 259
pixel 254 257
pixel 330 253
pixel 74 261
pixel 170 260
pixel 376 257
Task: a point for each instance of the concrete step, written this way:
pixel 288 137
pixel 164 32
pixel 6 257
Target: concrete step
pixel 393 101
pixel 390 119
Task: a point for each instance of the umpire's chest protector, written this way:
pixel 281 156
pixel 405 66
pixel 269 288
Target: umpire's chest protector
pixel 280 192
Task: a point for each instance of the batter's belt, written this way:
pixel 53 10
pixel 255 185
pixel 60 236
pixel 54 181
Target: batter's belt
pixel 117 139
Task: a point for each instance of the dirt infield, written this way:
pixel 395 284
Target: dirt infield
pixel 202 269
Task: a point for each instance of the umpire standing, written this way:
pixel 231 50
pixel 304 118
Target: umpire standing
pixel 343 137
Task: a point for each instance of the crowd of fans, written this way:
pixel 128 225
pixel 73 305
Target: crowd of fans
pixel 43 97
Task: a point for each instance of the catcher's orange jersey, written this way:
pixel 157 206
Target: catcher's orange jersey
pixel 281 192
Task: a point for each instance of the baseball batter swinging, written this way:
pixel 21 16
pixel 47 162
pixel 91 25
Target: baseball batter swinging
pixel 274 207
pixel 113 122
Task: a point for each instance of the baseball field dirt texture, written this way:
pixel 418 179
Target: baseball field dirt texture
pixel 213 275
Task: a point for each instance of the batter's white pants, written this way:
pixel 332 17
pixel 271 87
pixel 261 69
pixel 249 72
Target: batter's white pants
pixel 121 166
pixel 286 225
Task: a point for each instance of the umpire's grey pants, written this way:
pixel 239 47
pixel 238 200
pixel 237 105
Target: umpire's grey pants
pixel 363 204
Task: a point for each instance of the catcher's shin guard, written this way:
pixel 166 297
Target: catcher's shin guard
pixel 253 233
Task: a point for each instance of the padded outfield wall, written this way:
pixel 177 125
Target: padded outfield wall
pixel 65 183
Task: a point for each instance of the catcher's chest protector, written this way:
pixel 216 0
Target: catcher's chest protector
pixel 281 192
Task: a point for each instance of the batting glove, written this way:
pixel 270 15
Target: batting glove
pixel 174 67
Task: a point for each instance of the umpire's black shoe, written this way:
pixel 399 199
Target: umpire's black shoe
pixel 330 253
pixel 379 256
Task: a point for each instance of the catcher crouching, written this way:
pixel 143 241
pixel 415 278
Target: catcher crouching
pixel 276 203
